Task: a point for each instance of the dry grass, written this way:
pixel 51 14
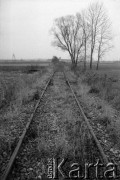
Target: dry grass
pixel 100 92
pixel 106 85
pixel 61 131
pixel 17 90
pixel 18 87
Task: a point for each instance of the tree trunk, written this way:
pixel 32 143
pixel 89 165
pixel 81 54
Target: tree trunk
pixel 98 57
pixel 98 62
pixel 91 58
pixel 85 58
pixel 72 58
pixel 74 65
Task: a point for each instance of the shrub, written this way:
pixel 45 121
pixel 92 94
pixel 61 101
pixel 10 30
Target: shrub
pixel 19 87
pixel 55 59
pixel 105 85
pixel 94 90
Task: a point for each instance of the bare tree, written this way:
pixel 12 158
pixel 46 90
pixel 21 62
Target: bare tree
pixel 82 18
pixel 95 19
pixel 104 39
pixel 68 36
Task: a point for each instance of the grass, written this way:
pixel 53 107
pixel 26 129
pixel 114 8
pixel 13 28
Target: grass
pixel 99 91
pixel 106 86
pixel 60 130
pixel 27 68
pixel 19 86
pixel 17 91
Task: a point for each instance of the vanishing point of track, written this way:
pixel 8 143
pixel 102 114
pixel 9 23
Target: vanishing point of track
pixel 16 151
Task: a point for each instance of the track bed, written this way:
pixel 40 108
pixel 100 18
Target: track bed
pixel 58 132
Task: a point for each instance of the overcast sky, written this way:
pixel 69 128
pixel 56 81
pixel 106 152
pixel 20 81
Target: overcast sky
pixel 25 26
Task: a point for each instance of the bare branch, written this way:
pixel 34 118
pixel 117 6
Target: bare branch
pixel 68 36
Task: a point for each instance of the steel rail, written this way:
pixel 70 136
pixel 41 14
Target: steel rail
pixel 105 159
pixel 15 152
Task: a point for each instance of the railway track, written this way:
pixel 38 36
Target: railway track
pixel 104 158
pixel 58 127
pixel 13 157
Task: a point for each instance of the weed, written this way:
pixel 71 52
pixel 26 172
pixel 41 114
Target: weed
pixel 16 90
pixel 94 90
pixel 106 86
pixel 104 120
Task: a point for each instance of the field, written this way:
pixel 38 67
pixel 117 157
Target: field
pixel 97 91
pixel 105 82
pixel 21 65
pixel 15 76
pixel 100 91
pixel 20 87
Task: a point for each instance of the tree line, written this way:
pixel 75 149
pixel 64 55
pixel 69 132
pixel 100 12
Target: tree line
pixel 85 34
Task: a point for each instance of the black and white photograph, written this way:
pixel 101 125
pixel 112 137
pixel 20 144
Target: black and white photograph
pixel 60 89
